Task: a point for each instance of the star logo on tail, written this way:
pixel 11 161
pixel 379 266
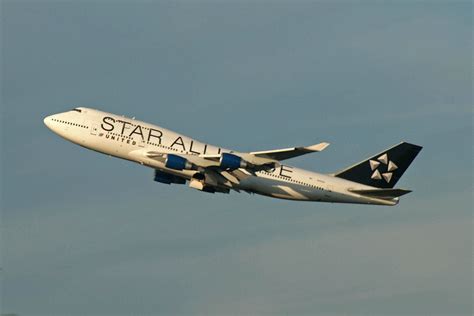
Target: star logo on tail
pixel 383 163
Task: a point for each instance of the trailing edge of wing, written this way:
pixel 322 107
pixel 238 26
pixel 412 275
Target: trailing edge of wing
pixel 287 153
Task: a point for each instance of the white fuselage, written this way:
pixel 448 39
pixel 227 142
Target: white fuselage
pixel 128 138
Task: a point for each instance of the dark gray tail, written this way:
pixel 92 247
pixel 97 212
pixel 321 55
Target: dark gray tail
pixel 384 169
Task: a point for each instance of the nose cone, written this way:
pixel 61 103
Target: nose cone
pixel 47 121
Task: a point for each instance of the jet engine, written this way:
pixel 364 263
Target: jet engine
pixel 177 163
pixel 232 162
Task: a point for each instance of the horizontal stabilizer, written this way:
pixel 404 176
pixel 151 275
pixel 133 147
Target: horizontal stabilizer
pixel 382 193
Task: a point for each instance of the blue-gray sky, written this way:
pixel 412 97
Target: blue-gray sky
pixel 85 234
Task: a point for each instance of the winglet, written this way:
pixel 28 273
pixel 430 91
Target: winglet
pixel 317 147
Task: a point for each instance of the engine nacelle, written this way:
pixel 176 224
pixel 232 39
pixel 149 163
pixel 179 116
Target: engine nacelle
pixel 232 162
pixel 177 162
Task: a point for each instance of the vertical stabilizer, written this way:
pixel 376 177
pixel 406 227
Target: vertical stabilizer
pixel 384 169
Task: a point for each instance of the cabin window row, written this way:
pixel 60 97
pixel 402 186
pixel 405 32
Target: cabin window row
pixel 70 123
pixel 294 181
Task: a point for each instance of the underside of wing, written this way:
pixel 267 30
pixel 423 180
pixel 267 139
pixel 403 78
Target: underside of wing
pixel 221 172
pixel 202 173
pixel 194 160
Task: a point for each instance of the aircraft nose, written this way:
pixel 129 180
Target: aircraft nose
pixel 47 121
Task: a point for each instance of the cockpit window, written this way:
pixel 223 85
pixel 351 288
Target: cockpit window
pixel 77 110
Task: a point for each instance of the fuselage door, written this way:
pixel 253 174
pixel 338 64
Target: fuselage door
pixel 94 128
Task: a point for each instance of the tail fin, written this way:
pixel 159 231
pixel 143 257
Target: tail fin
pixel 384 169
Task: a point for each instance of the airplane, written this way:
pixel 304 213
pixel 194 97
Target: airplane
pixel 177 159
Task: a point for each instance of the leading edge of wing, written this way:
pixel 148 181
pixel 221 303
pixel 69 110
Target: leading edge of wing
pixel 287 153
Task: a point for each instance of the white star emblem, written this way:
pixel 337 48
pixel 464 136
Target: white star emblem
pixel 382 160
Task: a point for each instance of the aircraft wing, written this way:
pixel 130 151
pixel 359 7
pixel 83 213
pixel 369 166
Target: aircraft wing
pixel 252 162
pixel 196 160
pixel 224 171
pixel 287 153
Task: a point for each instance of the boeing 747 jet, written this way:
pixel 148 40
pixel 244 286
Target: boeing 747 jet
pixel 177 159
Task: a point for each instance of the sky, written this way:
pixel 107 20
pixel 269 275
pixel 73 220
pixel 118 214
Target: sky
pixel 87 234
